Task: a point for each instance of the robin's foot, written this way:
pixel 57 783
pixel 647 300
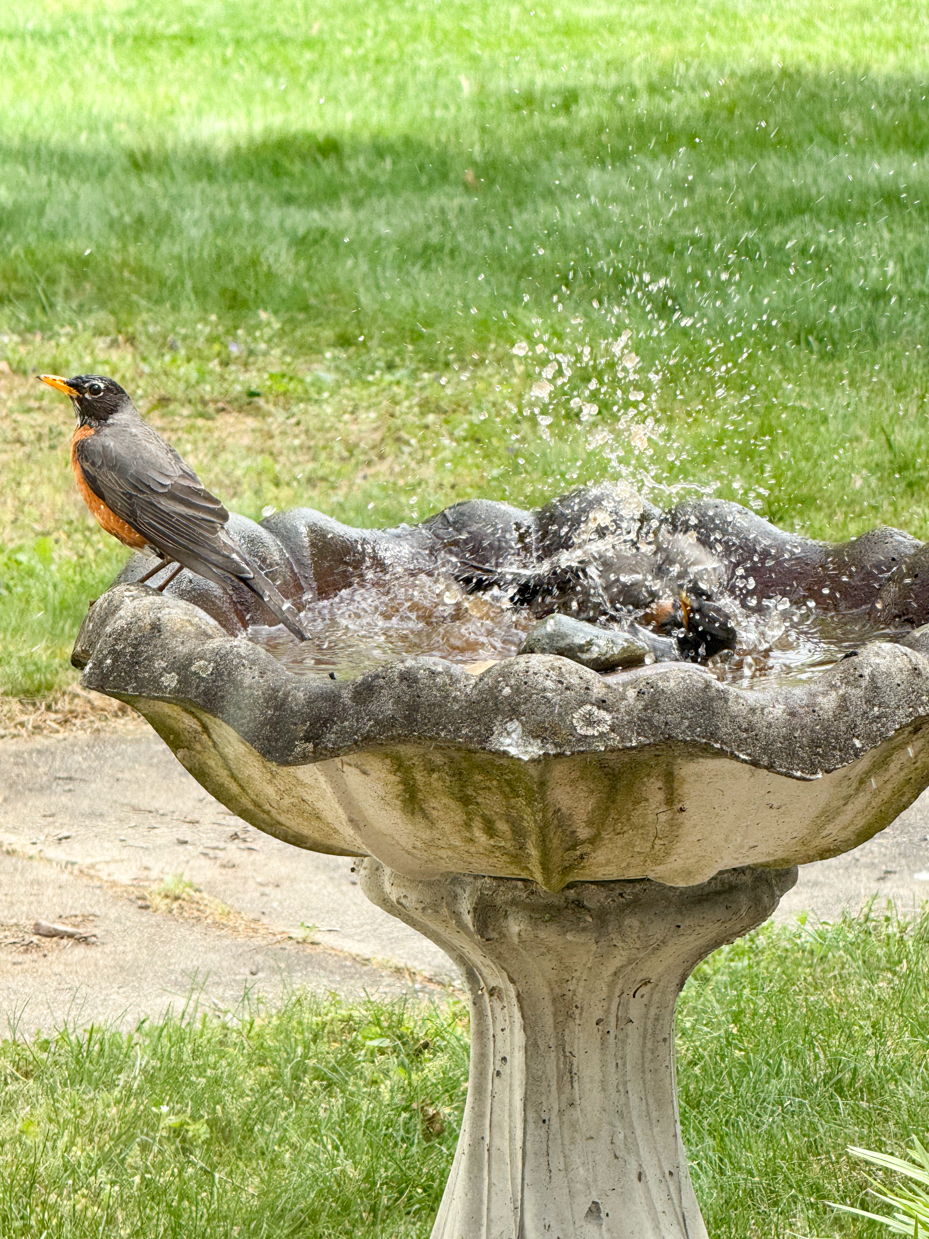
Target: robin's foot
pixel 169 578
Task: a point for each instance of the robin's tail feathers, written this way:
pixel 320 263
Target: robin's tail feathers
pixel 285 611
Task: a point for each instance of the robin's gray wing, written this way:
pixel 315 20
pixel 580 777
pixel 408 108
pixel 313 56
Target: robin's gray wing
pixel 144 481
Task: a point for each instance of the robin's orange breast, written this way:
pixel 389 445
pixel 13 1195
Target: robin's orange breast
pixel 106 518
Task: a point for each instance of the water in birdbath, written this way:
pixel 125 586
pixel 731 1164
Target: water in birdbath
pixel 783 642
pixel 393 615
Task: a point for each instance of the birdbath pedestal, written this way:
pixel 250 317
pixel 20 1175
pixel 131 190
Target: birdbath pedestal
pixel 571 1126
pixel 576 845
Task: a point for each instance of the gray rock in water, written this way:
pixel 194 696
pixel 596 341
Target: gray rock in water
pixel 665 649
pixel 601 649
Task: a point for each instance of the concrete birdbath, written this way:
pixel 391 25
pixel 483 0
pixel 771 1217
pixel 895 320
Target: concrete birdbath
pixel 577 843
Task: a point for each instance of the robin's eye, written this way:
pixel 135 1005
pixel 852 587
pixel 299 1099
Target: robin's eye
pixel 94 389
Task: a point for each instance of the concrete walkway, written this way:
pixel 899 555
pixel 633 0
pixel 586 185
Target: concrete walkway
pixel 108 833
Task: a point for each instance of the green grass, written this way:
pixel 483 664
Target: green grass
pixel 794 1044
pixel 360 199
pixel 323 1119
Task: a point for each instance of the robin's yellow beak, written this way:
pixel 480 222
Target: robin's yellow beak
pixel 60 384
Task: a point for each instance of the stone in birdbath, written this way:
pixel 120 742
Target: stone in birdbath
pixel 601 649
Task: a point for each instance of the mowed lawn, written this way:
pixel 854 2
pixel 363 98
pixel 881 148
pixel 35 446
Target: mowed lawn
pixel 307 237
pixel 323 1121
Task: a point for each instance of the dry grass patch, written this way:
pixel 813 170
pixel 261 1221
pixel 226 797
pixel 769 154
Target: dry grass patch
pixel 74 709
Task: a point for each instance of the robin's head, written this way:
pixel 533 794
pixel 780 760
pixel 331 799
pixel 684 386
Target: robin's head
pixel 95 398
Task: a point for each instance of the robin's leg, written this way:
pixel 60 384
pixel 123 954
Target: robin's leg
pixel 163 561
pixel 169 578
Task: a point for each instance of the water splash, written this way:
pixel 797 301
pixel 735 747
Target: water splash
pixel 623 381
pixel 392 615
pixel 780 642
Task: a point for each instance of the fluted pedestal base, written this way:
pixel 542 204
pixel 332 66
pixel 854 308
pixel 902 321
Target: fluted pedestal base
pixel 571 1125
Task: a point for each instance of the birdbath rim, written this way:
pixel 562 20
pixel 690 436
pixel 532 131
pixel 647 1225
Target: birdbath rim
pixel 138 644
pixel 657 814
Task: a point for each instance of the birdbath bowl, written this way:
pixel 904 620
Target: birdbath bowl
pixel 575 843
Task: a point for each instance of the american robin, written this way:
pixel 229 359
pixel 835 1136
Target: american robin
pixel 142 492
pixel 702 627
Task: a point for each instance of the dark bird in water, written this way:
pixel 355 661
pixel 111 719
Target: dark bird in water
pixel 141 491
pixel 705 627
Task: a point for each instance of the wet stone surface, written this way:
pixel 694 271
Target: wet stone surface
pixel 601 649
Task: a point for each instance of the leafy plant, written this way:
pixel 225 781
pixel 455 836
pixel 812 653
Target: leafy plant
pixel 911 1203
